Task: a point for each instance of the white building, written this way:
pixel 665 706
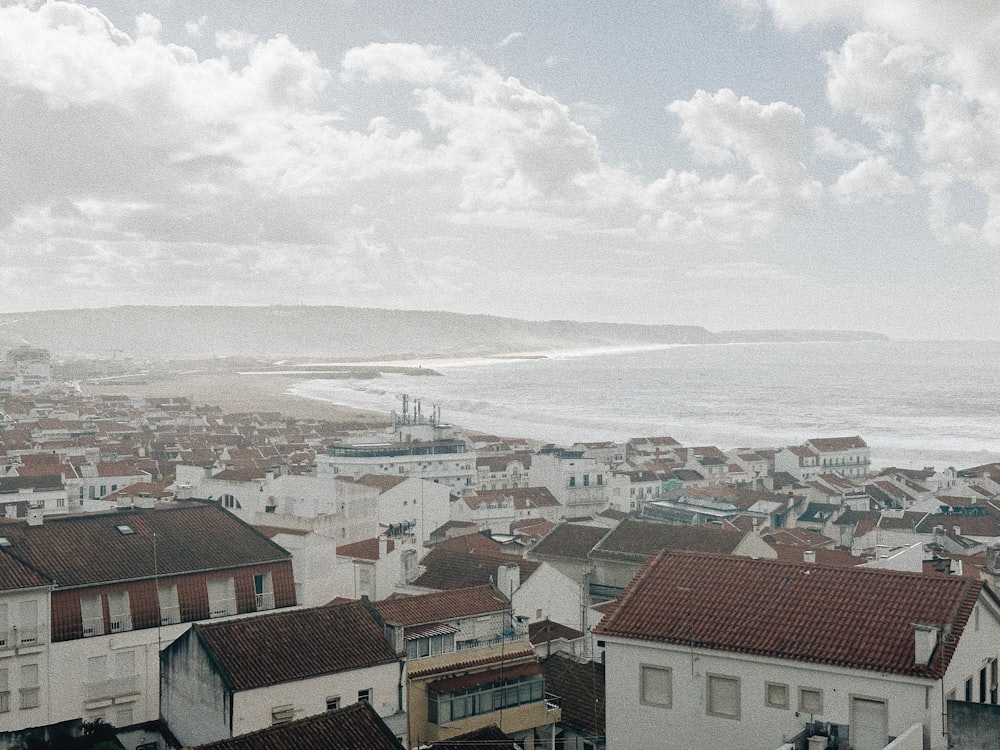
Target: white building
pixel 737 652
pixel 580 484
pixel 226 679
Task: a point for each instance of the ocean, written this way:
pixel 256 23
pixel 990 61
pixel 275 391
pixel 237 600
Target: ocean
pixel 916 403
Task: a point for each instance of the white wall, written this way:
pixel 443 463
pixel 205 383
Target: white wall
pixel 252 708
pixel 631 724
pixel 549 594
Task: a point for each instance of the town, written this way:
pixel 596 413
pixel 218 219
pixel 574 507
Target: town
pixel 173 576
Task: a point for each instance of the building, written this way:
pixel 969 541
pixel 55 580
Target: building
pixel 468 666
pixel 354 727
pixel 727 651
pixel 106 590
pixel 579 483
pixel 226 679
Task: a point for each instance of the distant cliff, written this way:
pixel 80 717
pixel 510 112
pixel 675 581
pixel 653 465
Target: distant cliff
pixel 344 333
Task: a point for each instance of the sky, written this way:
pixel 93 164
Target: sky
pixel 731 164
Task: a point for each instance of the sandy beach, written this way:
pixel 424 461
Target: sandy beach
pixel 233 392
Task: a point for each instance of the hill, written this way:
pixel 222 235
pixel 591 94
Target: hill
pixel 332 333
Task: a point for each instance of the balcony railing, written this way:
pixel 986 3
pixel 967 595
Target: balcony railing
pixel 93 626
pixel 121 623
pixel 265 600
pixel 170 615
pixel 113 688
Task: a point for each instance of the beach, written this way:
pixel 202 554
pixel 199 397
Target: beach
pixel 235 393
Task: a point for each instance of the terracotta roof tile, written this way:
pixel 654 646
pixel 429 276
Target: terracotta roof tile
pixel 355 727
pixel 636 540
pixel 458 570
pixel 569 540
pixel 835 444
pixel 442 605
pixel 782 610
pixel 253 652
pixel 88 549
pixel 580 688
pixel 522 498
pixel 366 549
pixel 544 631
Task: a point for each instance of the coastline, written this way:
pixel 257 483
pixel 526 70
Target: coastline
pixel 236 393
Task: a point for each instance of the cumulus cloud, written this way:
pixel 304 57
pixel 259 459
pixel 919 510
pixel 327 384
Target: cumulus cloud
pixel 872 179
pixel 765 143
pixel 925 76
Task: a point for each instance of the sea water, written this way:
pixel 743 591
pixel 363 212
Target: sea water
pixel 915 403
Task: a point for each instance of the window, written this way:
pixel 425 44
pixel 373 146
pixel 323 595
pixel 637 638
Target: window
pixel 92 612
pixel 968 690
pixel 365 696
pixel 4 690
pixel 445 707
pixel 118 608
pixel 123 717
pixel 993 681
pixel 228 501
pixel 775 695
pixel 586 480
pixel 656 686
pixel 600 480
pixel 810 700
pixel 572 481
pixel 983 683
pixel 29 686
pixel 170 610
pixel 430 646
pixel 264 591
pixel 723 696
pixel 332 702
pixel 221 597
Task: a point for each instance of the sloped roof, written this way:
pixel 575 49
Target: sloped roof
pixel 487 738
pixel 546 630
pixel 446 569
pixel 834 444
pixel 254 652
pixel 366 549
pixel 570 541
pixel 17 575
pixel 783 610
pixel 354 727
pixel 88 549
pixel 580 688
pixel 635 540
pixel 442 605
pixel 522 498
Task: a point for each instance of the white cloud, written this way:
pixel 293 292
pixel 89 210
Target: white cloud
pixel 925 75
pixel 195 27
pixel 234 40
pixel 766 143
pixel 828 143
pixel 512 37
pixel 872 179
pixel 147 25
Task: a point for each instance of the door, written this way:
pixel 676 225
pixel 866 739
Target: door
pixel 869 730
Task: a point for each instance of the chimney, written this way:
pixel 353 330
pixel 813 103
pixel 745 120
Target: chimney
pixel 957 529
pixel 35 516
pixel 508 579
pixel 809 556
pixel 383 546
pixel 925 640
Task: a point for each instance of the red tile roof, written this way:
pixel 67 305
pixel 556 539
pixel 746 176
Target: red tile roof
pixel 487 738
pixel 636 540
pixel 355 727
pixel 442 605
pixel 458 570
pixel 570 541
pixel 17 575
pixel 254 652
pixel 834 444
pixel 547 630
pixel 782 610
pixel 366 549
pixel 521 498
pixel 381 482
pixel 489 677
pixel 580 688
pixel 88 549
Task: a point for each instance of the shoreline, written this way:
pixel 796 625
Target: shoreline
pixel 236 393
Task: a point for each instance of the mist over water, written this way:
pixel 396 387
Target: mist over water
pixel 915 403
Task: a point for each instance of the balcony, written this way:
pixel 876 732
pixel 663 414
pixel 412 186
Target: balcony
pixel 265 600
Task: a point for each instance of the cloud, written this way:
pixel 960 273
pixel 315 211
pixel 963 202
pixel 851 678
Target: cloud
pixel 925 76
pixel 872 179
pixel 766 144
pixel 513 36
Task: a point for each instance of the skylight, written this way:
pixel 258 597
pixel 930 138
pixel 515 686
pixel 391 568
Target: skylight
pixel 124 529
pixel 5 542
